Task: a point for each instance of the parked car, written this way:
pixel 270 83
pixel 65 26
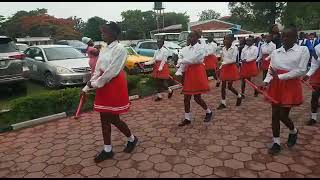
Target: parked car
pixel 74 43
pixel 135 62
pixel 57 65
pixel 22 47
pixel 148 48
pixel 13 69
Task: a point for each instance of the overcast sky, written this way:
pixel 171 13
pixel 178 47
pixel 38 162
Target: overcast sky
pixel 110 10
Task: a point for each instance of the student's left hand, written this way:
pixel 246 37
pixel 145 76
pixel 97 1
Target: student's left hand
pixel 274 73
pixel 160 68
pixel 89 84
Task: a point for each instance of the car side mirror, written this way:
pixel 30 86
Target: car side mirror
pixel 38 58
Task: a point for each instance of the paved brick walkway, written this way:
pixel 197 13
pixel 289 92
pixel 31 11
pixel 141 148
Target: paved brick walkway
pixel 233 145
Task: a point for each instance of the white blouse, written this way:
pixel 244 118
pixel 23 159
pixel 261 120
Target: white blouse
pixel 211 48
pixel 111 61
pixel 266 48
pixel 193 54
pixel 229 56
pixel 294 60
pixel 315 63
pixel 249 53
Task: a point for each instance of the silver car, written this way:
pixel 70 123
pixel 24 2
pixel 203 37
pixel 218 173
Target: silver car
pixel 57 65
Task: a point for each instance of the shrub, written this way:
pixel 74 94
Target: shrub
pixel 66 100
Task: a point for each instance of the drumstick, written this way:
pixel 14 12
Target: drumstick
pixel 261 92
pixel 79 106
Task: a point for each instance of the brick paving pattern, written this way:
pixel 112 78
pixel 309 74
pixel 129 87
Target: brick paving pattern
pixel 234 144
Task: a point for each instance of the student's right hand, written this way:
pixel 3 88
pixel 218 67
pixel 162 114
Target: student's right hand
pixel 306 78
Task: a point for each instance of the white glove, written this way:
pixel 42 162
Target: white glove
pixel 160 68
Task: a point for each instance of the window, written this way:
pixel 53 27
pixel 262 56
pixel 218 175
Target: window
pixel 7 45
pixel 34 52
pixel 62 53
pixel 149 45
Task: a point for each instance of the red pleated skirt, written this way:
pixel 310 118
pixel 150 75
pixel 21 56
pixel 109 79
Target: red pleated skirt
pixel 164 74
pixel 211 62
pixel 287 92
pixel 113 97
pixel 265 63
pixel 195 80
pixel 315 79
pixel 229 72
pixel 248 69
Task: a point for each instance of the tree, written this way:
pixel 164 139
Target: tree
pixel 79 23
pixel 305 15
pixel 92 28
pixel 256 16
pixel 208 14
pixel 172 18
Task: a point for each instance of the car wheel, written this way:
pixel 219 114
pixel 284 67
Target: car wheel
pixel 49 81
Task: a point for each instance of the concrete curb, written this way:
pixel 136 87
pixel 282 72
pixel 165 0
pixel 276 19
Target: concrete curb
pixel 38 121
pixel 60 115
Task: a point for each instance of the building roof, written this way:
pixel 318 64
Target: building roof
pixel 33 39
pixel 211 20
pixel 172 27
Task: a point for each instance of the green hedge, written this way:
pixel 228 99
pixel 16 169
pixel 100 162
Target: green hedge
pixel 65 100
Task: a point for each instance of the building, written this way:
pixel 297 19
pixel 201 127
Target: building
pixel 35 40
pixel 176 28
pixel 215 24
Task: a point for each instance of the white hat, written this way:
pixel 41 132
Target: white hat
pixel 86 40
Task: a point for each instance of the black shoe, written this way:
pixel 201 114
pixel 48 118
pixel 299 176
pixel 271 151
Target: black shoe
pixel 243 96
pixel 275 149
pixel 131 145
pixel 256 93
pixel 103 155
pixel 217 84
pixel 292 139
pixel 311 122
pixel 170 94
pixel 185 122
pixel 208 117
pixel 239 101
pixel 158 99
pixel 221 106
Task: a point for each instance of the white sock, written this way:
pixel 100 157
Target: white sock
pixel 239 95
pixel 107 148
pixel 131 138
pixel 159 95
pixel 276 140
pixel 294 131
pixel 169 90
pixel 223 101
pixel 187 116
pixel 208 111
pixel 314 116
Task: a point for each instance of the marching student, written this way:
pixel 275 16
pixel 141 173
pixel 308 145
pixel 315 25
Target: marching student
pixel 265 51
pixel 92 52
pixel 248 67
pixel 195 80
pixel 313 76
pixel 287 65
pixel 161 72
pixel 302 39
pixel 276 36
pixel 109 81
pixel 228 70
pixel 211 60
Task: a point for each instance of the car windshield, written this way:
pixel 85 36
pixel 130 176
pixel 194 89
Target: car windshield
pixel 78 44
pixel 62 53
pixel 7 45
pixel 172 45
pixel 131 51
pixel 22 47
